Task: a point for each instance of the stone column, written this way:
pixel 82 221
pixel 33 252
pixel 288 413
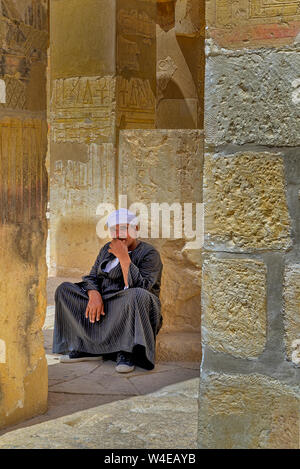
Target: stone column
pixel 102 79
pixel 83 131
pixel 250 291
pixel 23 201
pixel 180 64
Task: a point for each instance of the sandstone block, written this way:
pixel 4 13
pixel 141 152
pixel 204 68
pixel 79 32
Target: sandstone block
pixel 178 346
pixel 247 412
pixel 234 306
pixel 291 294
pixel 253 98
pixel 245 202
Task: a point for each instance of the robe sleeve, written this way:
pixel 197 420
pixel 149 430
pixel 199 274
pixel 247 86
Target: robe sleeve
pixel 92 281
pixel 148 272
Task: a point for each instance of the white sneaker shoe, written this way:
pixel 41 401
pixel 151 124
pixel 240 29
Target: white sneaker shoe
pixel 124 368
pixel 124 362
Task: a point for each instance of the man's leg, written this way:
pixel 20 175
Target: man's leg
pixel 69 330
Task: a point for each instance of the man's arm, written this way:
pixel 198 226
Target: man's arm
pixel 144 276
pixel 91 283
pixel 148 272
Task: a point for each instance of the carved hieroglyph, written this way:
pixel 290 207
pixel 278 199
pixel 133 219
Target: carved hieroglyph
pixel 135 102
pixel 136 22
pixel 23 177
pixel 249 23
pixel 23 39
pixel 189 16
pixel 83 109
pixel 245 202
pixel 82 176
pixel 128 53
pixel 165 70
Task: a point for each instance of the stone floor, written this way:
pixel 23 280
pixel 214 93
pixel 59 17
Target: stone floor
pixel 92 406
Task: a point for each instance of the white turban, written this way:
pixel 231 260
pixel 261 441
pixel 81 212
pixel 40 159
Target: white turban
pixel 123 216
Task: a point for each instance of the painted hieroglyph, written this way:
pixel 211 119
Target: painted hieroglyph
pixel 253 22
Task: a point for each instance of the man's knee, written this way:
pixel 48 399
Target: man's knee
pixel 61 289
pixel 139 293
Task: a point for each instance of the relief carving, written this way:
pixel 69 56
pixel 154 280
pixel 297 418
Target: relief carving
pixel 82 109
pixel 22 45
pixel 23 177
pixel 136 101
pixel 166 69
pixel 128 52
pixel 137 23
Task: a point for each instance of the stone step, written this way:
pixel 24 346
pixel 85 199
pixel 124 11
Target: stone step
pixel 178 346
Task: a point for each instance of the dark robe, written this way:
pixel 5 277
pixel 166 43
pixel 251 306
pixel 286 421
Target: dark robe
pixel 132 316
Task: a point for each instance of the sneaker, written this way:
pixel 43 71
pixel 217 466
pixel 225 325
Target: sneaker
pixel 124 362
pixel 75 356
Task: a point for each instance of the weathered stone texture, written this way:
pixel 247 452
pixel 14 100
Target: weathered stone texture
pixel 82 38
pixel 165 166
pixel 291 295
pixel 253 22
pixel 82 176
pixel 23 232
pixel 178 346
pixel 23 201
pixel 189 18
pixel 247 412
pixel 245 202
pixel 135 63
pixel 234 306
pixel 24 40
pixel 253 97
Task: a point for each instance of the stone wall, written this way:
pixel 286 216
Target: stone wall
pixel 249 396
pixel 23 201
pixel 165 166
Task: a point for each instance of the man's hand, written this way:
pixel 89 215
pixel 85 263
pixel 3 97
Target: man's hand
pixel 119 249
pixel 95 307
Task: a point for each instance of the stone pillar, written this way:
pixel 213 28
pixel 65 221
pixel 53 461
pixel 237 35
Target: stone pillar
pixel 250 291
pixel 102 79
pixel 180 64
pixel 23 201
pixel 83 131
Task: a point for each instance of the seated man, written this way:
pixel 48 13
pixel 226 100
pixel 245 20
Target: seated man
pixel 116 308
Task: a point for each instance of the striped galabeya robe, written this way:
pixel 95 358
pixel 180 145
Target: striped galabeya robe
pixel 132 316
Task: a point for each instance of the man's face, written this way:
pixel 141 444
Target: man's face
pixel 123 232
